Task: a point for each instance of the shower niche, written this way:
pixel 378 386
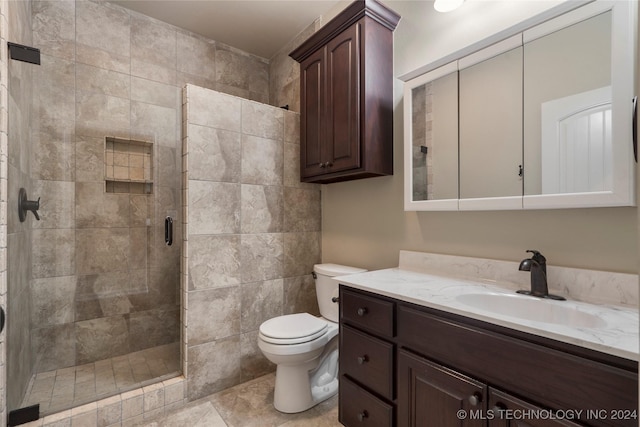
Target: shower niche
pixel 128 166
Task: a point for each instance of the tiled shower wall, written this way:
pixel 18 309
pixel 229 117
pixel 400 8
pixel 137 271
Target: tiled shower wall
pixel 252 234
pixel 105 71
pixel 104 283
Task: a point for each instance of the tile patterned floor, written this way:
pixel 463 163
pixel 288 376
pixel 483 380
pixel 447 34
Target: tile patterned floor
pixel 245 405
pixel 74 386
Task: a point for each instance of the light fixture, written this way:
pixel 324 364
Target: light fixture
pixel 447 5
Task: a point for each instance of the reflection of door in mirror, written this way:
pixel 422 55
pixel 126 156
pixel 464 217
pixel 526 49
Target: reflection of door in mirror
pixel 576 143
pixel 567 109
pixel 491 127
pixel 434 121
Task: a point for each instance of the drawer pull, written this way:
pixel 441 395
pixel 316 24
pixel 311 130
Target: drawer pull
pixel 362 415
pixel 362 311
pixel 363 359
pixel 475 399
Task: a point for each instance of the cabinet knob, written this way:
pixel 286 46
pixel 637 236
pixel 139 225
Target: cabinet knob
pixel 497 410
pixel 363 359
pixel 328 164
pixel 335 300
pixel 475 399
pixel 323 165
pixel 362 311
pixel 362 415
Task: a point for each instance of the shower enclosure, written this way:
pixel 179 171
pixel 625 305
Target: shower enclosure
pixel 93 285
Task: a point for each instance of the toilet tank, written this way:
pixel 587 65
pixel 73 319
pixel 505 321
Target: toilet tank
pixel 327 287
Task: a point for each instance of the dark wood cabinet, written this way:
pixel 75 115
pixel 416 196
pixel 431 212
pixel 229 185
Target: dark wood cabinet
pixel 366 361
pixel 431 395
pixel 346 96
pixel 424 366
pixel 504 407
pixel 363 408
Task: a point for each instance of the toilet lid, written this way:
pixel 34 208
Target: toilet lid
pixel 293 326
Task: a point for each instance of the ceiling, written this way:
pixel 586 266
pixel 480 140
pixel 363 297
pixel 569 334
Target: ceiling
pixel 261 27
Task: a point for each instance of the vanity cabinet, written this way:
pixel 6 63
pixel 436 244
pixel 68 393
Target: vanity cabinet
pixel 408 365
pixel 367 360
pixel 346 96
pixel 431 392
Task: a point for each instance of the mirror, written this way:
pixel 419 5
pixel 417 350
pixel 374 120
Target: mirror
pixel 567 109
pixel 540 119
pixel 491 127
pixel 434 153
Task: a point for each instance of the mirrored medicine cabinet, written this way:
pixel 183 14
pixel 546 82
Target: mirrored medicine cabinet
pixel 540 119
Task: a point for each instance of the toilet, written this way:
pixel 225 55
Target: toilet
pixel 305 347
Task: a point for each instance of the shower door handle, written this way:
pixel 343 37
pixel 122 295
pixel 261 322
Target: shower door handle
pixel 168 231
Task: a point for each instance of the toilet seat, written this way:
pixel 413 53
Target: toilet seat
pixel 293 329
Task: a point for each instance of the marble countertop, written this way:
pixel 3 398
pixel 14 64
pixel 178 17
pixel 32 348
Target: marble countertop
pixel 616 334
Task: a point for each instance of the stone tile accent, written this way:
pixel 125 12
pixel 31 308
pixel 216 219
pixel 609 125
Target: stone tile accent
pixel 216 154
pixel 213 366
pixel 262 120
pixel 301 252
pixel 303 209
pixel 213 314
pixel 300 295
pixel 261 256
pixel 219 215
pixel 260 301
pixel 215 261
pixel 262 209
pixel 196 56
pixel 53 253
pixel 262 161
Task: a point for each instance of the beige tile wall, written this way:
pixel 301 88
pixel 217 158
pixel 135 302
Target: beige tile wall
pixel 284 72
pixel 252 234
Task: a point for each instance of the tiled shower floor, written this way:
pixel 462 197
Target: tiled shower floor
pixel 76 385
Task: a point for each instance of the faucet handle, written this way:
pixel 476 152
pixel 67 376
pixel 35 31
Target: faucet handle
pixel 537 256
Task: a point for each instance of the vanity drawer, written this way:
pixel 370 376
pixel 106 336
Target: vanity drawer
pixel 360 408
pixel 367 312
pixel 367 360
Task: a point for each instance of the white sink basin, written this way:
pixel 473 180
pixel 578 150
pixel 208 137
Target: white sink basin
pixel 532 308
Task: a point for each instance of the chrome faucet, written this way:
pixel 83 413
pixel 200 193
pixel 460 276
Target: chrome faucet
pixel 537 265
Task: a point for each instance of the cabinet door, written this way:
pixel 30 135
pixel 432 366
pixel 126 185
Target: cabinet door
pixel 312 129
pixel 509 411
pixel 430 395
pixel 343 104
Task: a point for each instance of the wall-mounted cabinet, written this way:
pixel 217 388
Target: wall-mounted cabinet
pixel 346 96
pixel 540 119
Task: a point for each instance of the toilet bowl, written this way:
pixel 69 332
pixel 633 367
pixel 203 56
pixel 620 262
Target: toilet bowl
pixel 305 347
